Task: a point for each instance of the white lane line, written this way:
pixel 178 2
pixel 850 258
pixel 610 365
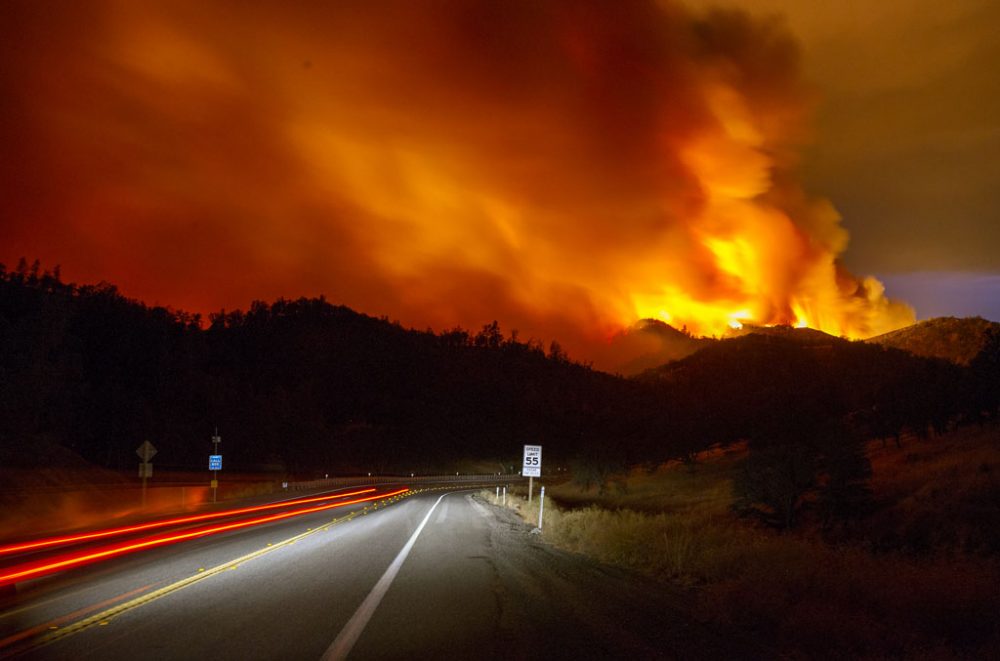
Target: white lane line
pixel 342 645
pixel 443 514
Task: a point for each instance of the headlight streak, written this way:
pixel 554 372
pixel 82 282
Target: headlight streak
pixel 69 561
pixel 112 532
pixel 103 617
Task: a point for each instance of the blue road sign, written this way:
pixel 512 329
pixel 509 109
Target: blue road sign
pixel 215 462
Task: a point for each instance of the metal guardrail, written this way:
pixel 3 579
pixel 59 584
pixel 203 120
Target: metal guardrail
pixel 490 478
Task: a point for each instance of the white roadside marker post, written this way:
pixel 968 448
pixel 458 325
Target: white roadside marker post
pixel 541 506
pixel 497 499
pixel 505 495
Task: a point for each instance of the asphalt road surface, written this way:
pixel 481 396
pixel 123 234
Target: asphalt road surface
pixel 435 575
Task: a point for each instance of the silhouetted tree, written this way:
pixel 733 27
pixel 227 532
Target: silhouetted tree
pixel 845 470
pixel 490 336
pixel 772 482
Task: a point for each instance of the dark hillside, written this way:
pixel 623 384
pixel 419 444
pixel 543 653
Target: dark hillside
pixel 316 388
pixel 303 385
pixel 806 409
pixel 364 392
pixel 760 385
pixel 649 343
pixel 950 338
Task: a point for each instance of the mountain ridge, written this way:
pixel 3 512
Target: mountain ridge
pixel 959 340
pixel 956 339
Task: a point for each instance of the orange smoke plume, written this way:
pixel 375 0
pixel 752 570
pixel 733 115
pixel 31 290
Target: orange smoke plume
pixel 566 168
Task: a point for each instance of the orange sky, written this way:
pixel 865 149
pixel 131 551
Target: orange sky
pixel 564 169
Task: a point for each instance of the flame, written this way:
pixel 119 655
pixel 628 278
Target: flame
pixel 566 169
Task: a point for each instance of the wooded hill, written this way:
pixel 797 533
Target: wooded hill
pixel 301 385
pixel 312 388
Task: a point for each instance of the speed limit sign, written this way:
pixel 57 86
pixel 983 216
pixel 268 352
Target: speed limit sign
pixel 532 461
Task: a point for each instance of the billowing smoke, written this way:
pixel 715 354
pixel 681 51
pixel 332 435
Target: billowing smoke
pixel 565 168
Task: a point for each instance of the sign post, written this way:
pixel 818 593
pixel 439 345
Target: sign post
pixel 146 451
pixel 215 464
pixel 532 466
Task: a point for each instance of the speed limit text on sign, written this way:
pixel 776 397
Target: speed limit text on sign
pixel 532 461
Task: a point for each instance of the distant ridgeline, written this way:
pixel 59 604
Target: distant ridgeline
pixel 319 388
pixel 961 341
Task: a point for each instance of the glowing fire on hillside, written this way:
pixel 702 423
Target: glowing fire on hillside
pixel 565 168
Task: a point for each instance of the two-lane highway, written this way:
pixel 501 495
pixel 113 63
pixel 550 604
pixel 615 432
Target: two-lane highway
pixel 436 574
pixel 66 605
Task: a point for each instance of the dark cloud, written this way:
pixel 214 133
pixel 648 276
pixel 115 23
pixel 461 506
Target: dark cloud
pixel 909 127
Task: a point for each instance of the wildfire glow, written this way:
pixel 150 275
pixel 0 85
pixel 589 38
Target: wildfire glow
pixel 565 168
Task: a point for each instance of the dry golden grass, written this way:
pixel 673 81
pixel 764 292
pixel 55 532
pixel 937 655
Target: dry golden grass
pixel 703 487
pixel 796 593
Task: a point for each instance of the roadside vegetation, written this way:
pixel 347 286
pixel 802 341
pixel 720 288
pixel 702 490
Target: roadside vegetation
pixel 917 577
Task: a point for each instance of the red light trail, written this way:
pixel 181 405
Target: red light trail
pixel 112 532
pixel 69 561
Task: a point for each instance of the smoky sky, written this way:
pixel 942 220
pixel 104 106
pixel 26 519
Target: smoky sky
pixel 908 127
pixel 560 167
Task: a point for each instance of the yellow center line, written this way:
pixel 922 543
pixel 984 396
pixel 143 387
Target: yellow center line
pixel 174 587
pixel 54 624
pixel 102 617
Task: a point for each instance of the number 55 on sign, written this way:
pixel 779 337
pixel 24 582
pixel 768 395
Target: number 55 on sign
pixel 532 461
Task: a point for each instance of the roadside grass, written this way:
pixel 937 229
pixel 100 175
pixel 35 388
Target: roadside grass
pixel 940 493
pixel 798 593
pixel 701 487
